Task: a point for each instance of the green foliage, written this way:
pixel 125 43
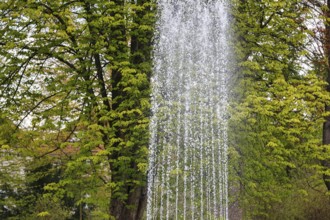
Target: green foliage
pixel 74 99
pixel 50 209
pixel 74 80
pixel 277 110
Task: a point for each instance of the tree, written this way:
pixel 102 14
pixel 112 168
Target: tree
pixel 278 109
pixel 326 124
pixel 75 77
pixel 319 55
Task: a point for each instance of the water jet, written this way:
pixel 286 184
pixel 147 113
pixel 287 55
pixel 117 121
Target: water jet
pixel 187 176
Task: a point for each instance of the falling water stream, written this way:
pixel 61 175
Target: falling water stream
pixel 187 176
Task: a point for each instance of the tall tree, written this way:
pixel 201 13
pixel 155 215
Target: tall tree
pixel 320 57
pixel 75 77
pixel 326 125
pixel 278 109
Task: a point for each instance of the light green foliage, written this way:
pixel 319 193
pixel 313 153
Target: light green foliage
pixel 74 79
pixel 277 111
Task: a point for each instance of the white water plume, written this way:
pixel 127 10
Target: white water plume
pixel 187 176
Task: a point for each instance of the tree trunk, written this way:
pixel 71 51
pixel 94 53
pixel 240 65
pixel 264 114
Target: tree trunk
pixel 134 188
pixel 134 207
pixel 326 125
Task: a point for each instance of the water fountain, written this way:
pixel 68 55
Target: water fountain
pixel 187 176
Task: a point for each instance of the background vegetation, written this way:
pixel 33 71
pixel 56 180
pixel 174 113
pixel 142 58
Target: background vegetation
pixel 278 153
pixel 74 109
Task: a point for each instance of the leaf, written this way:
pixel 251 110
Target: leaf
pixel 43 214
